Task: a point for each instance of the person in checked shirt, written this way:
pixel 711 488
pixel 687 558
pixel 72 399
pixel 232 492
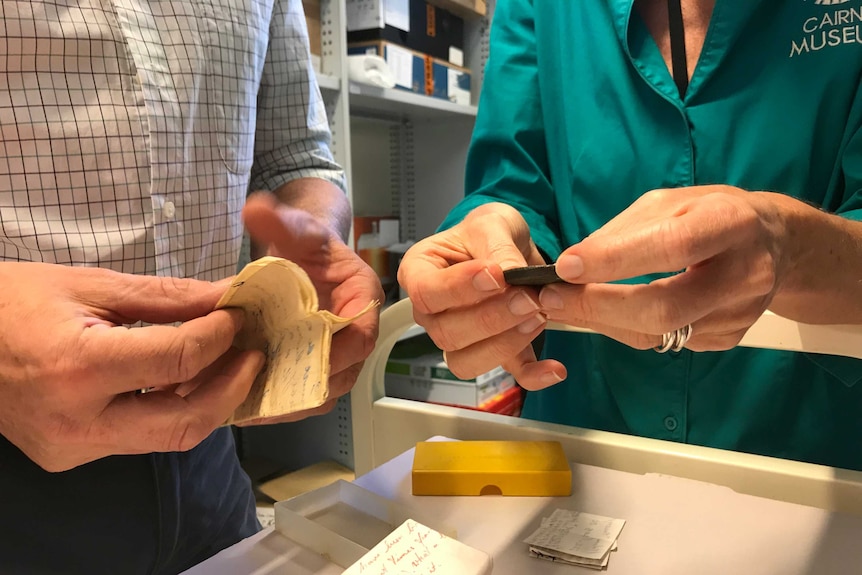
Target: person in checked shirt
pixel 130 135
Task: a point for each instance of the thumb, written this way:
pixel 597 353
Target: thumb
pixel 146 298
pixel 289 232
pixel 498 233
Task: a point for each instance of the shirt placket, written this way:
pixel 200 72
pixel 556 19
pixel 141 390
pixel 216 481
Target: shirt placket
pixel 164 118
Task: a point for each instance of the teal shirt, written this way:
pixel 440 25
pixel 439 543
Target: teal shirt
pixel 579 116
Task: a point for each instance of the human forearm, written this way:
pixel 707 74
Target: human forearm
pixel 823 258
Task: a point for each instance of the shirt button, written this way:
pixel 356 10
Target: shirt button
pixel 169 210
pixel 670 423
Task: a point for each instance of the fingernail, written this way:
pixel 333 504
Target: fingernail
pixel 551 298
pixel 570 267
pixel 521 304
pixel 532 324
pixel 484 281
pixel 550 378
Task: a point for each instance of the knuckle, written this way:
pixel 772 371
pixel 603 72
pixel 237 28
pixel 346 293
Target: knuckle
pixel 54 461
pixel 52 443
pixel 499 353
pixel 486 322
pixel 658 197
pixel 421 302
pixel 443 337
pixel 462 371
pixel 189 354
pixel 188 433
pixel 642 341
pixel 325 408
pixel 57 431
pixel 716 342
pixel 749 316
pixel 682 243
pixel 343 382
pixel 177 286
pixel 668 315
pixel 612 257
pixel 583 308
pixel 499 210
pixel 763 277
pixel 369 341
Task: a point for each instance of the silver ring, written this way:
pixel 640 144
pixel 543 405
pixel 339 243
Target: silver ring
pixel 674 340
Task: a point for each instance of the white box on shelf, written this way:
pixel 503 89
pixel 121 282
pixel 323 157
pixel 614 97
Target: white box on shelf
pixel 448 391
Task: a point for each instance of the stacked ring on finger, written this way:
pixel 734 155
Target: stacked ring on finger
pixel 674 340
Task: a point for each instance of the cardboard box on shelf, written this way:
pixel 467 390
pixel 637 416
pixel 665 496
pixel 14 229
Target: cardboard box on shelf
pixel 461 393
pixel 408 67
pixel 467 9
pixel 420 357
pixel 507 402
pixel 416 370
pixel 387 228
pixel 371 236
pixel 450 82
pixel 414 24
pixel 312 21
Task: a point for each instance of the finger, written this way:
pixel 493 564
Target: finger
pixel 355 342
pixel 490 239
pixel 186 387
pixel 717 331
pixel 534 375
pixel 342 382
pixel 128 298
pixel 127 359
pixel 434 289
pixel 660 306
pixel 632 338
pixel 516 308
pixel 485 355
pixel 294 233
pixel 353 289
pixel 725 328
pixel 716 341
pixel 352 345
pixel 165 421
pixel 703 230
pixel 499 233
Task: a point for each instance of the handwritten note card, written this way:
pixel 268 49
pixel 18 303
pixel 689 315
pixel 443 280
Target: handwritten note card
pixel 416 549
pixel 575 537
pixel 282 320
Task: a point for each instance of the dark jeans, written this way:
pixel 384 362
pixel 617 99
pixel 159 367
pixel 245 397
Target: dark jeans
pixel 150 514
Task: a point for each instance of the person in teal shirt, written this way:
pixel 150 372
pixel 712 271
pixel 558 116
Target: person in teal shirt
pixel 687 168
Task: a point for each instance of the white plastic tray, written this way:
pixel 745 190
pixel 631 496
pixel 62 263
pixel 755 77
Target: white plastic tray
pixel 343 521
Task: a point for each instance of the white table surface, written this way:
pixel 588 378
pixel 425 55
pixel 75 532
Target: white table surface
pixel 673 526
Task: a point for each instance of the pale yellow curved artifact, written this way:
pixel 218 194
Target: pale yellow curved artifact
pixel 282 320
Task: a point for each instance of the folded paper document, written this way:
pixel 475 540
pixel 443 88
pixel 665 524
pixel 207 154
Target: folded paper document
pixel 283 321
pixel 576 538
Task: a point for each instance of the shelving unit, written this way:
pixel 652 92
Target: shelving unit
pixel 372 100
pixel 328 83
pixel 403 155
